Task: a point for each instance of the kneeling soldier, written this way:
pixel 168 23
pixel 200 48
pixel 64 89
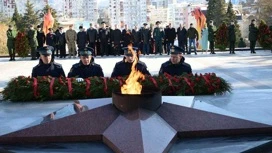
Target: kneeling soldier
pixel 86 66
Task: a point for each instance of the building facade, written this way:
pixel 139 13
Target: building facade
pixel 135 12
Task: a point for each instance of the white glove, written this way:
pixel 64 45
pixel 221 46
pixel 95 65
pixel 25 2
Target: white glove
pixel 79 79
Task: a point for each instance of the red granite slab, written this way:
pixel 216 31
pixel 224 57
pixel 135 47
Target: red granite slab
pixel 140 131
pixel 196 123
pixel 85 126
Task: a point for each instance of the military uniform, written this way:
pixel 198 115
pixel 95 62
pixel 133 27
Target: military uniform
pixel 158 35
pixel 51 40
pixel 253 35
pixel 92 39
pixel 71 38
pixel 52 69
pixel 175 69
pixel 182 38
pixel 41 41
pixel 104 35
pixel 116 37
pixel 84 71
pixel 146 39
pixel 211 33
pixel 33 43
pixel 123 68
pixel 11 35
pixel 170 36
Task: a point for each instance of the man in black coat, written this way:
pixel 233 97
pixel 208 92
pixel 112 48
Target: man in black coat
pixel 136 35
pixel 176 65
pixel 61 42
pixel 104 38
pixel 170 37
pixel 253 35
pixel 81 39
pixel 116 38
pixel 92 38
pixel 146 39
pixel 40 39
pixel 232 37
pixel 123 68
pixel 47 66
pixel 86 67
pixel 51 40
pixel 182 38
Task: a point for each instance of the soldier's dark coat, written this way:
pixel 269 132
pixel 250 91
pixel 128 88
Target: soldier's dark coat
pixel 84 71
pixel 92 35
pixel 123 68
pixel 231 33
pixel 116 36
pixel 51 39
pixel 170 34
pixel 53 69
pixel 253 33
pixel 182 34
pixel 175 69
pixel 145 35
pixel 40 38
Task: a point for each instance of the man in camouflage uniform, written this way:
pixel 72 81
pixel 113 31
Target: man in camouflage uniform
pixel 11 34
pixel 71 38
pixel 33 43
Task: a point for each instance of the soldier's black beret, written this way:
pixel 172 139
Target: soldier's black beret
pixel 176 50
pixel 86 52
pixel 128 50
pixel 46 50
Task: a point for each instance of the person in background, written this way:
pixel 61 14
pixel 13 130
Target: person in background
pixel 176 65
pixel 182 38
pixel 81 39
pixel 136 37
pixel 86 66
pixel 47 66
pixel 116 38
pixel 40 39
pixel 51 40
pixel 33 43
pixel 104 38
pixel 212 31
pixel 62 43
pixel 92 38
pixel 11 35
pixel 232 37
pixel 165 40
pixel 123 68
pixel 71 38
pixel 158 36
pixel 171 36
pixel 193 36
pixel 253 35
pixel 146 39
pixel 204 39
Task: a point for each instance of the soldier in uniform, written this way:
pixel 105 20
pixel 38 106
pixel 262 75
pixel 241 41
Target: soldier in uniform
pixel 92 38
pixel 146 39
pixel 86 67
pixel 71 38
pixel 104 35
pixel 176 65
pixel 40 39
pixel 253 35
pixel 62 42
pixel 136 37
pixel 123 68
pixel 11 35
pixel 232 37
pixel 211 33
pixel 158 35
pixel 116 38
pixel 33 43
pixel 51 40
pixel 47 66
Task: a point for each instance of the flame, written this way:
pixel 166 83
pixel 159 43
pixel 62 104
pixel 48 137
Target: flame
pixel 132 85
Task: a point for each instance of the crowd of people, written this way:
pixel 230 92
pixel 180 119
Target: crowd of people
pixel 109 40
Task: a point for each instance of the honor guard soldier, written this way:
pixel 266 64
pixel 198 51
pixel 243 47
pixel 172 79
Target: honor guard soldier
pixel 47 66
pixel 176 65
pixel 86 66
pixel 123 68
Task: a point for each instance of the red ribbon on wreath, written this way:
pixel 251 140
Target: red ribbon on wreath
pixel 35 87
pixel 105 85
pixel 168 76
pixel 154 82
pixel 120 79
pixel 52 87
pixel 189 84
pixel 206 80
pixel 70 89
pixel 88 85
